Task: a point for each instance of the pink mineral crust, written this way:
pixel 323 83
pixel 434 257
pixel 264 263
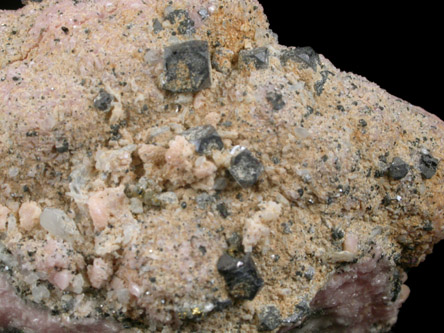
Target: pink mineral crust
pixel 99 272
pixel 29 215
pixel 15 313
pixel 357 298
pixel 106 206
pixel 168 166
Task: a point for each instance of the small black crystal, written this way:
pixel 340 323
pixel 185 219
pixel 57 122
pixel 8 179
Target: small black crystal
pixel 428 165
pixel 301 311
pixel 186 24
pixel 222 209
pixel 319 85
pixel 222 305
pixel 241 276
pixel 398 169
pixel 269 318
pixel 276 100
pixel 62 146
pixel 205 138
pixel 157 26
pixel 337 234
pixel 304 55
pixel 103 100
pixel 187 67
pixel 245 168
pixel 258 57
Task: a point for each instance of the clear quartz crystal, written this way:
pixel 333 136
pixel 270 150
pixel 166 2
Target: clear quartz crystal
pixel 58 224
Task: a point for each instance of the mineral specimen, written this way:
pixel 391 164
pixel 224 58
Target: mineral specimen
pixel 204 138
pixel 305 55
pixel 187 67
pixel 269 318
pixel 241 276
pixel 245 168
pixel 398 169
pixel 428 165
pixel 168 166
pixel 103 100
pixel 258 57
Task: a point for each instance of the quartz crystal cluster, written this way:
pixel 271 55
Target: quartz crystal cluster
pixel 167 166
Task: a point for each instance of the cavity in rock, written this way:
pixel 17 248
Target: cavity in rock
pixel 276 100
pixel 398 169
pixel 235 243
pixel 186 24
pixel 319 85
pixel 221 60
pixel 203 13
pixel 222 209
pixel 62 146
pixel 205 138
pixel 103 101
pixel 157 26
pixel 305 55
pixel 396 285
pixel 337 234
pixel 301 311
pixel 220 183
pixel 258 57
pixel 386 201
pixel 204 200
pixel 222 305
pixel 245 168
pixel 269 318
pixel 241 276
pixel 187 67
pixel 428 165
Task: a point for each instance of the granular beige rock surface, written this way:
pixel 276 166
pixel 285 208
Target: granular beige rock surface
pixel 169 167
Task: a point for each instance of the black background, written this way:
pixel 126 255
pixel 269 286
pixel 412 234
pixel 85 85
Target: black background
pixel 397 48
pixel 8 4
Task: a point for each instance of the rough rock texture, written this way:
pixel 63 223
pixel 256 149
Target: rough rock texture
pixel 169 166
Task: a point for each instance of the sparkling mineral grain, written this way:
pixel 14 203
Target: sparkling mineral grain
pixel 167 166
